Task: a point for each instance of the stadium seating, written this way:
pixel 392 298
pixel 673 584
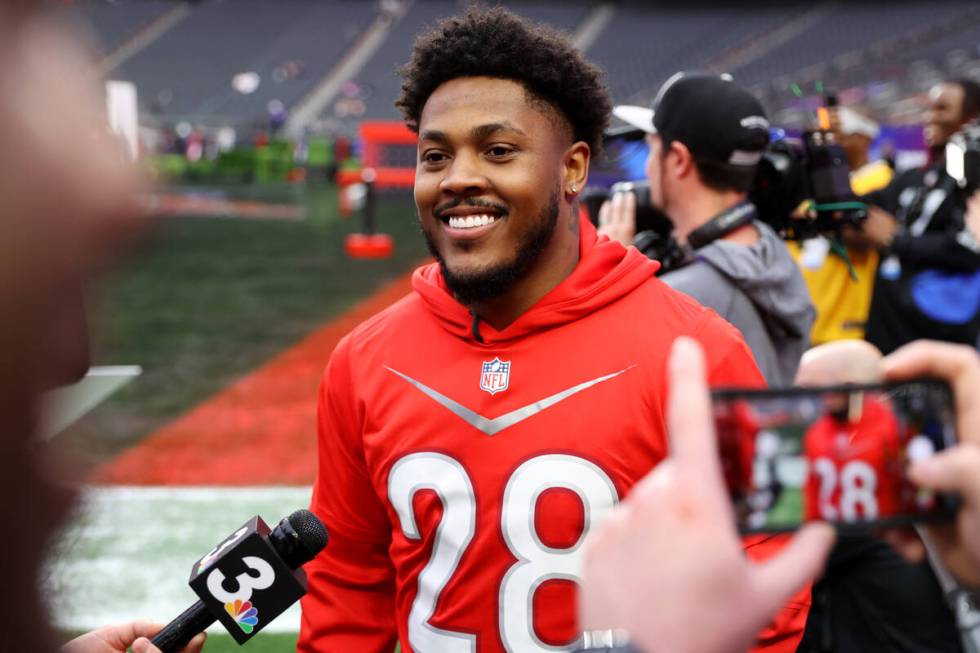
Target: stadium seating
pixel 379 77
pixel 378 80
pixel 187 74
pixel 846 28
pixel 112 24
pixel 644 44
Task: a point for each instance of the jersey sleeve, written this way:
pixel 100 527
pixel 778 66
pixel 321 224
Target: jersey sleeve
pixel 730 364
pixel 350 602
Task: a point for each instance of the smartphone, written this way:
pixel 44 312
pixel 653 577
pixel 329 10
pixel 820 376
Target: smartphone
pixel 836 453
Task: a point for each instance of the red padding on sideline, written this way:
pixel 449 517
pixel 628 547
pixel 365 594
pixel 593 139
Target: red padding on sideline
pixel 260 430
pixel 388 132
pixel 369 245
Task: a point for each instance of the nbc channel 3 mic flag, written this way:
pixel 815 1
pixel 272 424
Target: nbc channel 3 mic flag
pixel 248 580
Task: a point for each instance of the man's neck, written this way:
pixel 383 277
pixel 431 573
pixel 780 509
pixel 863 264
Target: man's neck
pixel 554 265
pixel 701 206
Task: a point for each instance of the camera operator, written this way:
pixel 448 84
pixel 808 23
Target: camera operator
pixel 706 136
pixel 926 285
pixel 839 269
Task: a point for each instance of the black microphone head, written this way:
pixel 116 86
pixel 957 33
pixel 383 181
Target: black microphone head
pixel 298 538
pixel 309 529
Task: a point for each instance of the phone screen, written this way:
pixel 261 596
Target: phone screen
pixel 837 454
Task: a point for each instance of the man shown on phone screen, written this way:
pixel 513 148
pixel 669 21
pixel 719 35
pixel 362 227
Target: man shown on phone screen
pixel 853 459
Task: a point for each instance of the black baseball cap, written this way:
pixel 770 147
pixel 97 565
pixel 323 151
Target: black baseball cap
pixel 715 118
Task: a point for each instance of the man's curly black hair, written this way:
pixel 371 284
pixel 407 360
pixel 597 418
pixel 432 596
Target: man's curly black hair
pixel 496 43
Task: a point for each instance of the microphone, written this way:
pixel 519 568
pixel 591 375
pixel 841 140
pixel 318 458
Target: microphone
pixel 248 580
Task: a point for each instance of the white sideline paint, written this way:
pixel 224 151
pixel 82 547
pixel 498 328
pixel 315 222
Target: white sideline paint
pixel 347 68
pixel 66 405
pixel 128 552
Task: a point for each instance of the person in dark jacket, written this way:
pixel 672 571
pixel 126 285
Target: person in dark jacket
pixel 928 282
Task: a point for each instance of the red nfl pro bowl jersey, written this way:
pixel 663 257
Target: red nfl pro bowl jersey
pixel 854 465
pixel 461 467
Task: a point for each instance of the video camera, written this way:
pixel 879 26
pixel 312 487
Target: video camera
pixel 654 230
pixel 802 187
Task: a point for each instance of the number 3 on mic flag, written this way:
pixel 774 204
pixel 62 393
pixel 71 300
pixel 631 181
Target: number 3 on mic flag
pixel 245 583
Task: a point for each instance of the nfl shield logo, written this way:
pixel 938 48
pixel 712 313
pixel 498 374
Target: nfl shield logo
pixel 495 376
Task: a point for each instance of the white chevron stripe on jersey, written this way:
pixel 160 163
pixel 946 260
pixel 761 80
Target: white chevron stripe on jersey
pixel 498 424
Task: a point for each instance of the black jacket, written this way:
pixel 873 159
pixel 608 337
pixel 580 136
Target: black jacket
pixel 907 304
pixel 871 599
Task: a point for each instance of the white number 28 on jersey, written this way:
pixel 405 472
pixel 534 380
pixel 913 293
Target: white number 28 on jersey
pixel 858 482
pixel 536 562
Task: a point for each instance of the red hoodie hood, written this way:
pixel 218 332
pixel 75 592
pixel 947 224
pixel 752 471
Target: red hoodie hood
pixel 605 272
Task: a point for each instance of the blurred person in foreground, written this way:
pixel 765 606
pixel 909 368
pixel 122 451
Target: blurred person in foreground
pixel 706 136
pixel 68 202
pixel 840 271
pixel 928 281
pixel 665 571
pixel 474 432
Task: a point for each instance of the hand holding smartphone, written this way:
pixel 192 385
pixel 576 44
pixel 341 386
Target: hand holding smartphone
pixel 837 454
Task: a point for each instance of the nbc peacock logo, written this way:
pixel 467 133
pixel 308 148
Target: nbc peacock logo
pixel 244 614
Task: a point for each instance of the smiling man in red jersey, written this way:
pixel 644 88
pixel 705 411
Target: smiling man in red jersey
pixel 471 435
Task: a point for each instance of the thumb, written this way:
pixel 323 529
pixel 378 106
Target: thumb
pixel 956 469
pixel 143 645
pixel 798 563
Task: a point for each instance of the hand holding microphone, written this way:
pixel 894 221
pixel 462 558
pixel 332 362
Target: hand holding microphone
pixel 245 582
pixel 248 580
pixel 120 638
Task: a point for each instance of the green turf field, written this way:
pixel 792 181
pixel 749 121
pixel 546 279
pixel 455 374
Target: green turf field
pixel 788 509
pixel 204 300
pixel 263 643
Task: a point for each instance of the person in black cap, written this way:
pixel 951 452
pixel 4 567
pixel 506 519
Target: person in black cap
pixel 706 136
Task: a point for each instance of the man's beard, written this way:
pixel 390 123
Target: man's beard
pixel 497 279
